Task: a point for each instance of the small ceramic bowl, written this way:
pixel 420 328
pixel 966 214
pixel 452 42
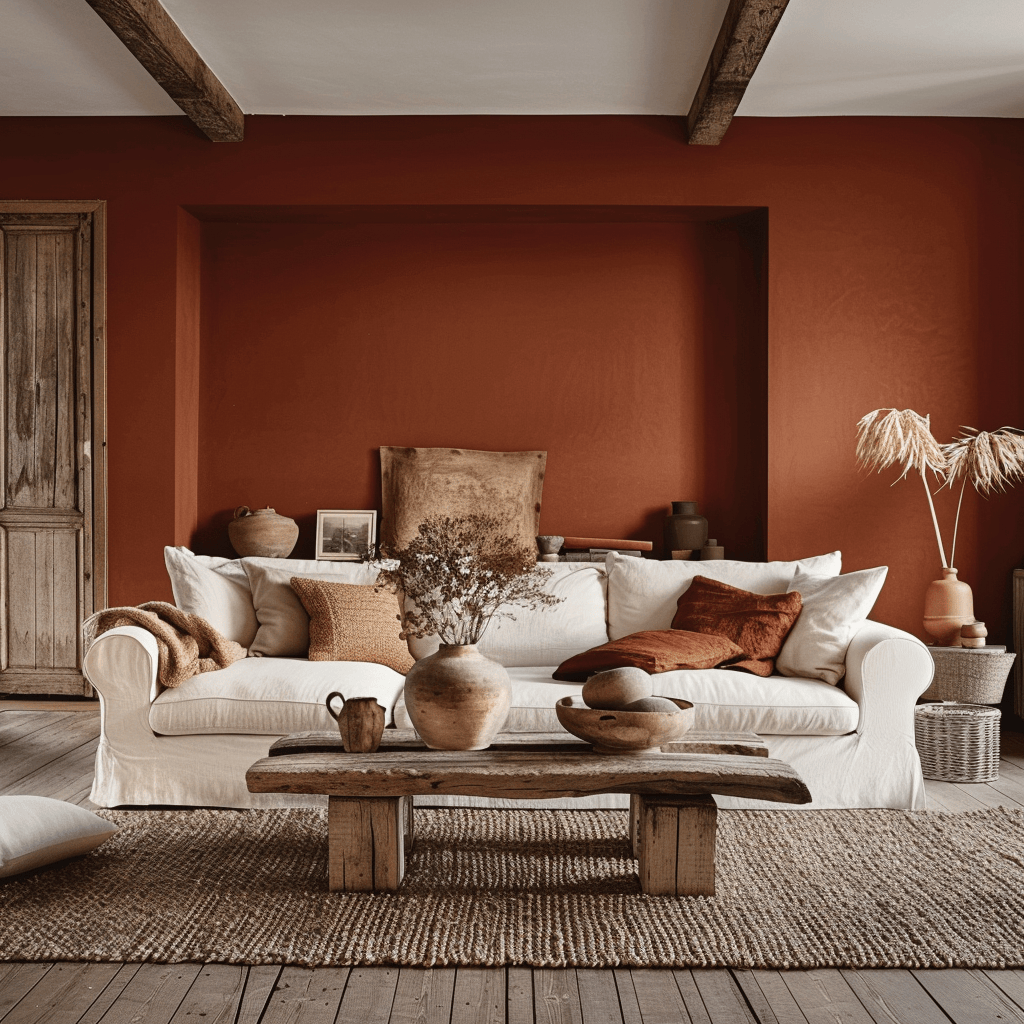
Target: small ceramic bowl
pixel 619 732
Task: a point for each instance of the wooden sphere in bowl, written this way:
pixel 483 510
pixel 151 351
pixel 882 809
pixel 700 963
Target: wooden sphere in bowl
pixel 616 731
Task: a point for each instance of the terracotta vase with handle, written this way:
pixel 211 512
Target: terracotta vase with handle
pixel 457 698
pixel 948 604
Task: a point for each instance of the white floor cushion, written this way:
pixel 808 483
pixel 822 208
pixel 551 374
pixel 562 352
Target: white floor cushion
pixel 726 701
pixel 35 831
pixel 269 697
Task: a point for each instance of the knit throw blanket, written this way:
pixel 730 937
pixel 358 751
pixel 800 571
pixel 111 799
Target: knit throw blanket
pixel 187 644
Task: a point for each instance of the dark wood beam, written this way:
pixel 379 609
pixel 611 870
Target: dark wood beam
pixel 160 47
pixel 746 30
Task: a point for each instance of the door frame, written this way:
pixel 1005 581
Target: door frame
pixel 98 384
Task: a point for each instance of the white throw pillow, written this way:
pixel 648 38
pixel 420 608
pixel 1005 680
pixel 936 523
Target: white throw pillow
pixel 283 623
pixel 546 635
pixel 215 589
pixel 35 831
pixel 642 593
pixel 834 608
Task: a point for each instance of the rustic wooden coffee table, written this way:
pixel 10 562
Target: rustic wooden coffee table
pixel 673 818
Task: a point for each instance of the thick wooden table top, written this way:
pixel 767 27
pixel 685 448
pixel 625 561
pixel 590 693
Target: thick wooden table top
pixel 551 768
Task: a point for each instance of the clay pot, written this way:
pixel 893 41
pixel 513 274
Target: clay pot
pixel 685 530
pixel 360 722
pixel 948 604
pixel 262 533
pixel 457 698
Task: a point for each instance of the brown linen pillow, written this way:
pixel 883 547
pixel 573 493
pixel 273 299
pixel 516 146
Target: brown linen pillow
pixel 351 622
pixel 654 650
pixel 756 623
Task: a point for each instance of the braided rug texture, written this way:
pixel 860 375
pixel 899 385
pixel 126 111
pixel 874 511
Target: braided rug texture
pixel 862 888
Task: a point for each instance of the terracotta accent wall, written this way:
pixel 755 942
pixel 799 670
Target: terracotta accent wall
pixel 625 350
pixel 892 267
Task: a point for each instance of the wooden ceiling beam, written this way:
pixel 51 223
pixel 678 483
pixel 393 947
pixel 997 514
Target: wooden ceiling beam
pixel 161 48
pixel 746 30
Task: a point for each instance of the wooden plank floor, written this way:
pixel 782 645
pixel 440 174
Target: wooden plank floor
pixel 49 752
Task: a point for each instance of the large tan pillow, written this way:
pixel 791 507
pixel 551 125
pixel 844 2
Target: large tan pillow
pixel 420 482
pixel 284 624
pixel 348 622
pixel 655 650
pixel 756 623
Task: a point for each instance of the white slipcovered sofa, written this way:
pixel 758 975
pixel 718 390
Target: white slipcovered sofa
pixel 853 743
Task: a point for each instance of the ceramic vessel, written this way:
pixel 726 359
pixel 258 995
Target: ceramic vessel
pixel 711 550
pixel 685 529
pixel 360 722
pixel 972 634
pixel 549 545
pixel 262 533
pixel 948 604
pixel 457 698
pixel 624 732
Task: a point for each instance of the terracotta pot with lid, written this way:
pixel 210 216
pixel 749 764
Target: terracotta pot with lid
pixel 262 533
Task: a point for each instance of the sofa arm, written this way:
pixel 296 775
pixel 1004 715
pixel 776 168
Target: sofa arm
pixel 121 665
pixel 886 671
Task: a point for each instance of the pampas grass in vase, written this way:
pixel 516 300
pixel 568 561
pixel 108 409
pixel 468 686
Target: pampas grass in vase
pixel 902 437
pixel 987 461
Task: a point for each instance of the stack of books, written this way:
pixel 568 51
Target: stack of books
pixel 594 549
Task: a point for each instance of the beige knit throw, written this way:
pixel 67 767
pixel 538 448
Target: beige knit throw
pixel 187 644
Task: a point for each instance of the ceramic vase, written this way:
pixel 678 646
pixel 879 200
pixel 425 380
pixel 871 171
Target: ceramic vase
pixel 457 698
pixel 948 604
pixel 685 529
pixel 262 533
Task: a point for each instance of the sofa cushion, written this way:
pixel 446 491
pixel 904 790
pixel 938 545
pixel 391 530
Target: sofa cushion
pixel 352 623
pixel 215 589
pixel 655 651
pixel 756 623
pixel 725 702
pixel 269 697
pixel 642 592
pixel 546 636
pixel 834 608
pixel 38 830
pixel 284 623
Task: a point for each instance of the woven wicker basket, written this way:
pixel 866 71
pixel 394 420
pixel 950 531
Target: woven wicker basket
pixel 957 742
pixel 969 677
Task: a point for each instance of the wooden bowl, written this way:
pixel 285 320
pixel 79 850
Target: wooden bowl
pixel 618 732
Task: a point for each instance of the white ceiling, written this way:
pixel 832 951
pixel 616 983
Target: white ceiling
pixel 872 57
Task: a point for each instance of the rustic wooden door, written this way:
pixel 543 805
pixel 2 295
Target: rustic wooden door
pixel 51 496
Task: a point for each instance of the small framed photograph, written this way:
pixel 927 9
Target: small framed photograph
pixel 344 536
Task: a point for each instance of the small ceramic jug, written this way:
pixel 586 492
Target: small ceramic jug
pixel 360 721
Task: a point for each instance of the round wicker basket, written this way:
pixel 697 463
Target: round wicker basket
pixel 968 676
pixel 957 742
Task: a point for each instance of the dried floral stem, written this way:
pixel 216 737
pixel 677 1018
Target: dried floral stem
pixel 956 522
pixel 935 522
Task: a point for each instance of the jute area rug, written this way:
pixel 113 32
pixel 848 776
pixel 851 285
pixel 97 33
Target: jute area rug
pixel 874 888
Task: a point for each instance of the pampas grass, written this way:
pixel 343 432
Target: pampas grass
pixel 902 437
pixel 988 461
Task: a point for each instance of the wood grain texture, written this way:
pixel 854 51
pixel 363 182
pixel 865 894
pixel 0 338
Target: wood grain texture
pixel 321 742
pixel 746 30
pixel 156 42
pixel 519 995
pixel 423 996
pixel 892 995
pixel 368 996
pixel 675 845
pixel 599 998
pixel 525 775
pixel 967 997
pixel 306 996
pixel 556 997
pixel 479 996
pixel 366 849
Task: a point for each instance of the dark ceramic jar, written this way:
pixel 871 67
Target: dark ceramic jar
pixel 685 530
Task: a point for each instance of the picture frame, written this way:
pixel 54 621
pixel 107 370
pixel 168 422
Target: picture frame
pixel 345 535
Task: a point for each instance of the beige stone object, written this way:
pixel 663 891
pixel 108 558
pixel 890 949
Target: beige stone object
pixel 616 687
pixel 457 698
pixel 262 533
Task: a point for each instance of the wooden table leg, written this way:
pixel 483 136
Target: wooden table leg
pixel 410 824
pixel 365 843
pixel 676 844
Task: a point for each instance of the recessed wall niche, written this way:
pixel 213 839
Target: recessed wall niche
pixel 629 342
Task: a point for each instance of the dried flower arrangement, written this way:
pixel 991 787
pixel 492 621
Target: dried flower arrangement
pixel 462 572
pixel 988 461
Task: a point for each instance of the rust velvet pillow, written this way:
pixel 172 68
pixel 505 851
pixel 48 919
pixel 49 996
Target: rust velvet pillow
pixel 351 622
pixel 654 650
pixel 756 623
